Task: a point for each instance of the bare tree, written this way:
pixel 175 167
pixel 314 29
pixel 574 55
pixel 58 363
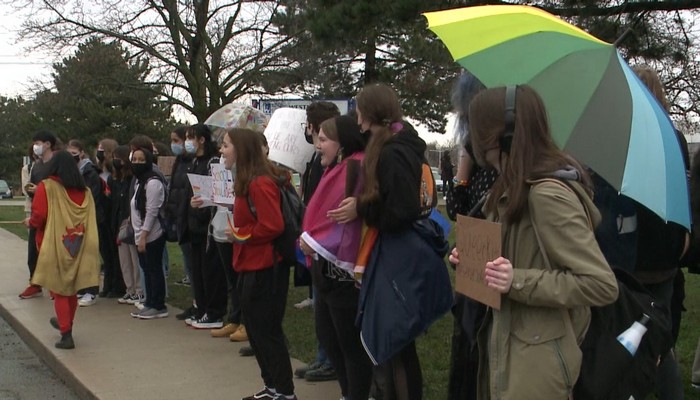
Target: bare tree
pixel 201 53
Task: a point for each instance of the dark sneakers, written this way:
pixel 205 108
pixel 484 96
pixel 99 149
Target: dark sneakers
pixel 324 373
pixel 301 371
pixel 190 312
pixel 246 351
pixel 265 394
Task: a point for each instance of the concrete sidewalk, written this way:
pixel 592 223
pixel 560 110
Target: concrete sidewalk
pixel 119 357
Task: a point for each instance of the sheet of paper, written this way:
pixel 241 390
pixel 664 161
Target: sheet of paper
pixel 202 186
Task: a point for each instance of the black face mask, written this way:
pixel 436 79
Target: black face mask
pixel 117 164
pixel 139 169
pixel 100 155
pixel 76 157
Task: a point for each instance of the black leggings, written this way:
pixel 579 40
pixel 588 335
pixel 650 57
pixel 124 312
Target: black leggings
pixel 336 309
pixel 400 378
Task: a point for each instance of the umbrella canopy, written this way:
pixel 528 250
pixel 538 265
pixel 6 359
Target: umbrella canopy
pixel 598 109
pixel 237 115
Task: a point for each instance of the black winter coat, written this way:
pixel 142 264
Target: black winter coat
pixel 179 194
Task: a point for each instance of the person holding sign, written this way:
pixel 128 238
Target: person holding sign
pixel 208 279
pixel 551 270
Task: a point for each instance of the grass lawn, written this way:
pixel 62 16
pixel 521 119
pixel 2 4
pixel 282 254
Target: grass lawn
pixel 433 347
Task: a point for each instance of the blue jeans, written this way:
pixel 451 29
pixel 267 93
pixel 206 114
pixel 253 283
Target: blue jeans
pixel 151 263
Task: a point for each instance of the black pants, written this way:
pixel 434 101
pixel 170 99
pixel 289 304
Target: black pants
pixel 32 252
pixel 208 279
pixel 400 378
pixel 234 298
pixel 336 309
pixel 113 280
pixel 151 263
pixel 263 301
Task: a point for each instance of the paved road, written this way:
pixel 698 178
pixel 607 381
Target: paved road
pixel 12 202
pixel 23 376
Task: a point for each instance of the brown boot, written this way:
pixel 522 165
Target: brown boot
pixel 226 330
pixel 66 341
pixel 239 335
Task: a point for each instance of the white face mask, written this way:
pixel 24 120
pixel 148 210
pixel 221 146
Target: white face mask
pixel 38 149
pixel 222 160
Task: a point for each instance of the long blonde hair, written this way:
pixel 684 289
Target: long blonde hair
pixel 650 78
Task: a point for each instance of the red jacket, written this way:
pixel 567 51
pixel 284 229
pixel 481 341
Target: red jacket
pixel 252 246
pixel 40 208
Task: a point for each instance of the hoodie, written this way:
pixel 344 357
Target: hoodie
pixel 400 171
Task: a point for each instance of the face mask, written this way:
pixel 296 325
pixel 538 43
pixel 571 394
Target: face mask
pixel 38 149
pixel 222 160
pixel 117 164
pixel 176 148
pixel 138 169
pixel 190 148
pixel 76 157
pixel 100 155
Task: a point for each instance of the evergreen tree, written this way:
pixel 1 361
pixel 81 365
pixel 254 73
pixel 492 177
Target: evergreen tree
pixel 100 92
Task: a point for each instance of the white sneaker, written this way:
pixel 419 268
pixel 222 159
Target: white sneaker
pixel 206 323
pixel 87 300
pixel 306 303
pixel 124 299
pixel 139 305
pixel 136 298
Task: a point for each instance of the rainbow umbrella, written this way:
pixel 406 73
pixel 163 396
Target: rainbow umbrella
pixel 599 110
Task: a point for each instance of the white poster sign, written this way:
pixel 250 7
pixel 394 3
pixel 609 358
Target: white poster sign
pixel 285 136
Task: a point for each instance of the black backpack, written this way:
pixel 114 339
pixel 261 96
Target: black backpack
pixel 293 214
pixel 608 370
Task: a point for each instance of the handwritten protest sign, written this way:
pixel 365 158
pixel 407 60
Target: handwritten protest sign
pixel 202 187
pixel 478 242
pixel 285 137
pixel 165 163
pixel 222 184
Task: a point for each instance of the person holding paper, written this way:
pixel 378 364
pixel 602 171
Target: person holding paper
pixel 208 279
pixel 263 280
pixel 551 271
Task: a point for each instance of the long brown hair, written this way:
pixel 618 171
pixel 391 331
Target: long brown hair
pixel 379 105
pixel 533 153
pixel 250 160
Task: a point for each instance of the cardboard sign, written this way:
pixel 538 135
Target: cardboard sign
pixel 222 184
pixel 202 187
pixel 478 242
pixel 285 136
pixel 165 163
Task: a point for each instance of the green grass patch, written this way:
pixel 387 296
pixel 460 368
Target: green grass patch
pixel 433 347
